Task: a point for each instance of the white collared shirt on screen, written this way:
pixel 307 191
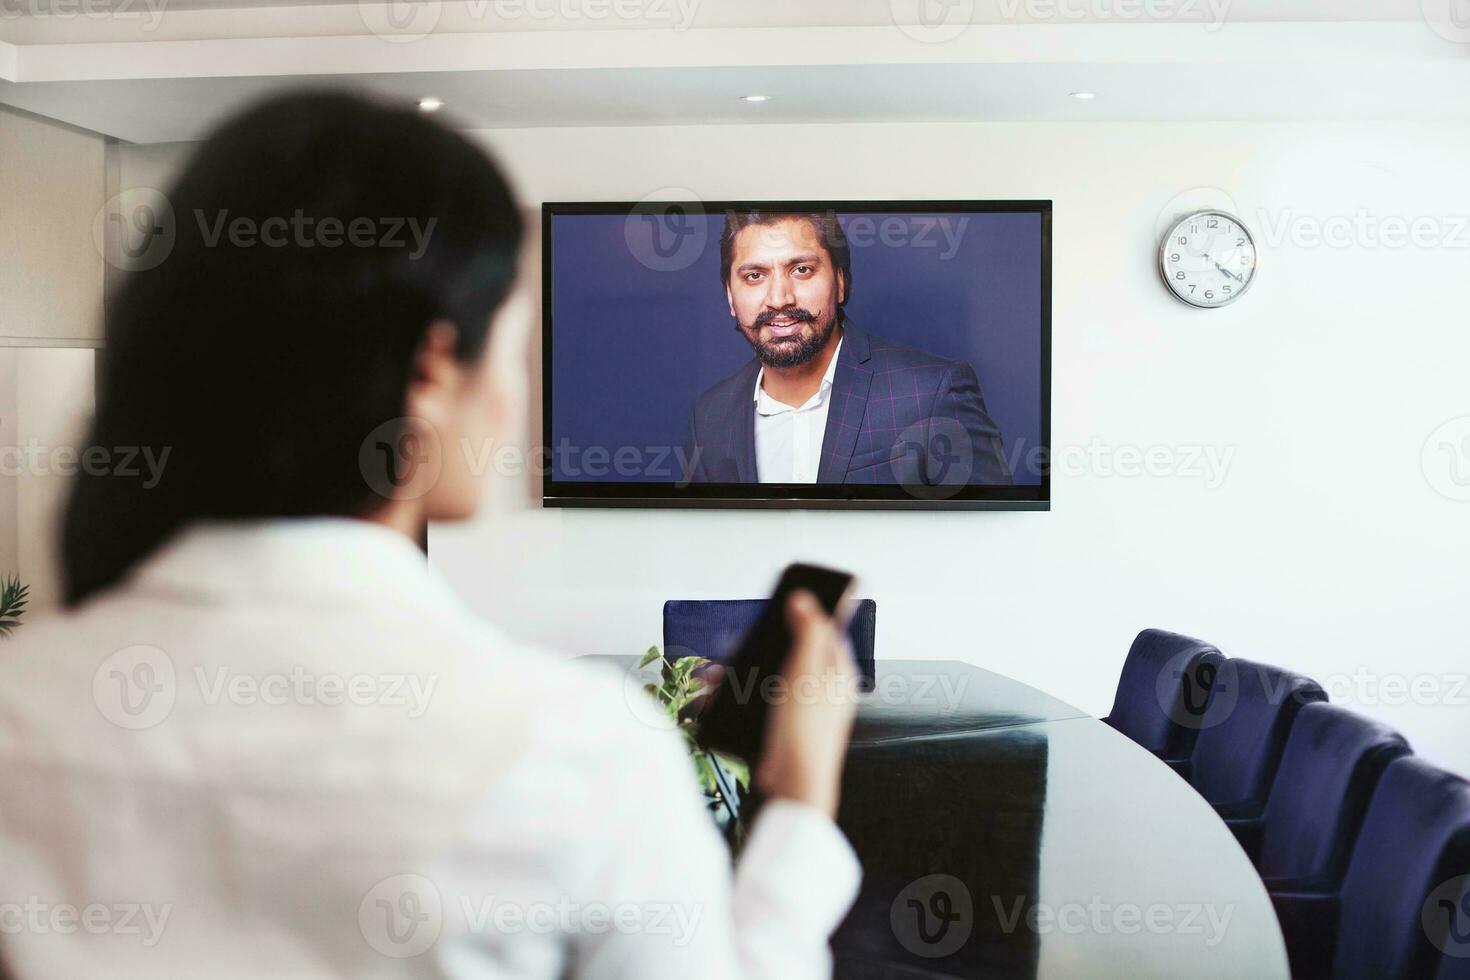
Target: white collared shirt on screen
pixel 788 441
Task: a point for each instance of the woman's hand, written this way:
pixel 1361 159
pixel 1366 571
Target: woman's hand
pixel 810 721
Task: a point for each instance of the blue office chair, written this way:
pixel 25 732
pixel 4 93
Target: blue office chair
pixel 1331 765
pixel 711 628
pixel 1385 923
pixel 1163 692
pixel 1243 734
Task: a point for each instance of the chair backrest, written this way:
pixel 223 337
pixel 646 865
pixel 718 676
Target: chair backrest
pixel 1244 731
pixel 711 628
pixel 1163 691
pixel 1415 841
pixel 1329 770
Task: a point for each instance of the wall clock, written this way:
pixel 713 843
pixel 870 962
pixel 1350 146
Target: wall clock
pixel 1208 259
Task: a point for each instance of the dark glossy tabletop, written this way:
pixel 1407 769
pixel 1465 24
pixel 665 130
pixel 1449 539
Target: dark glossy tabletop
pixel 1005 834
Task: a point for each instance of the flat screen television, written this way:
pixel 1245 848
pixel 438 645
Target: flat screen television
pixel 797 354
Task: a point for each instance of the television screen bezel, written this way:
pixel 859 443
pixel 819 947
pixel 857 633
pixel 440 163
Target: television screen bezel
pixel 786 496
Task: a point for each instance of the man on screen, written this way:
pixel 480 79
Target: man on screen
pixel 823 401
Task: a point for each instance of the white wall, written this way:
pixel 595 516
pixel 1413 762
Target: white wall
pixel 51 284
pixel 46 403
pixel 50 270
pixel 1326 547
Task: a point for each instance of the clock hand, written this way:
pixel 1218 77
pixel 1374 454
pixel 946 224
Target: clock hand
pixel 1226 271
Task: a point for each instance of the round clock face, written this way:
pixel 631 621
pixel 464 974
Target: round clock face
pixel 1208 259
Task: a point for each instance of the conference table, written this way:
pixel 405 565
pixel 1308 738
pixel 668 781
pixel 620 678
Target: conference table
pixel 1006 834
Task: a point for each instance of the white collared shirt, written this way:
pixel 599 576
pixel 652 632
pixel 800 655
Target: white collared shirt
pixel 788 441
pixel 284 749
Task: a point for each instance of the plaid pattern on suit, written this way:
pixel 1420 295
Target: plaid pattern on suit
pixel 898 415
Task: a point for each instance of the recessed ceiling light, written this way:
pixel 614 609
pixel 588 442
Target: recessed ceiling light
pixel 755 98
pixel 431 104
pixel 1083 95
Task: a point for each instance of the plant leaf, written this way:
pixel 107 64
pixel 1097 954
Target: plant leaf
pixel 706 772
pixel 13 595
pixel 648 657
pixel 682 701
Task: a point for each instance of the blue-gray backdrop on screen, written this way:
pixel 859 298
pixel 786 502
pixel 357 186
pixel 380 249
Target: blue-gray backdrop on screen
pixel 641 325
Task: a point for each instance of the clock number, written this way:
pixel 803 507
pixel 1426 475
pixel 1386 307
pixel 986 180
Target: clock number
pixel 1174 257
pixel 1213 223
pixel 1227 289
pixel 1179 275
pixel 1209 294
pixel 1183 240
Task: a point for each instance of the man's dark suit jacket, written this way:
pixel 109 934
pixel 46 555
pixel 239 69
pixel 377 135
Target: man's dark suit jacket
pixel 898 415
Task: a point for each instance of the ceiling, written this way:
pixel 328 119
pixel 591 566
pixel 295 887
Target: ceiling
pixel 155 71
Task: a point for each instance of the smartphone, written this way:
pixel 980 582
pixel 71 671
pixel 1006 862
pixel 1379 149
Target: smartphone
pixel 734 719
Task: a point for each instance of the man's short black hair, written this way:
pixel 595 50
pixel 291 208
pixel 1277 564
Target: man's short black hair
pixel 829 230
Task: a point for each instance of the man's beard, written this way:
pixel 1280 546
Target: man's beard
pixel 787 352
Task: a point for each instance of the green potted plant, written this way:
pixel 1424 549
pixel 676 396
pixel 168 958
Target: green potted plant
pixel 13 596
pixel 680 684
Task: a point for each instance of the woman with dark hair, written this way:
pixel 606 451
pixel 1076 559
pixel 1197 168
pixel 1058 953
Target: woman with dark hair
pixel 266 740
